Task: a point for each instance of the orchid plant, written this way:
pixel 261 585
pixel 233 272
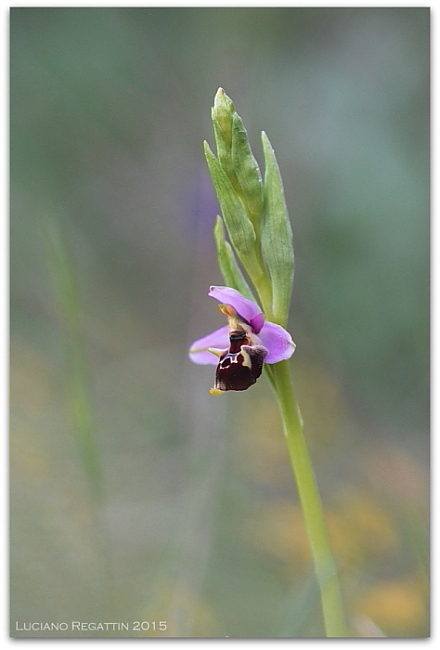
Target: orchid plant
pixel 255 217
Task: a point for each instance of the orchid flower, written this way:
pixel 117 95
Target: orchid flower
pixel 240 348
pixel 258 261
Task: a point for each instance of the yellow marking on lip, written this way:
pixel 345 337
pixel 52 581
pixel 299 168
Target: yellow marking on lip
pixel 246 359
pixel 216 391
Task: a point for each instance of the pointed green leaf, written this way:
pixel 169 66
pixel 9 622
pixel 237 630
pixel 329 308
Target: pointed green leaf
pixel 247 171
pixel 240 229
pixel 228 264
pixel 276 236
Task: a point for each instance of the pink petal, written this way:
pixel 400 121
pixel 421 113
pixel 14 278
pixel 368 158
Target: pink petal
pixel 246 308
pixel 198 352
pixel 278 342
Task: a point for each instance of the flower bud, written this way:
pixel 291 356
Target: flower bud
pixel 222 113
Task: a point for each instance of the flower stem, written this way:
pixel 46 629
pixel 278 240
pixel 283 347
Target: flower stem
pixel 325 567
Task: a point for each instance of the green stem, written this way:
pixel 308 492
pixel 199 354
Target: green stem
pixel 325 567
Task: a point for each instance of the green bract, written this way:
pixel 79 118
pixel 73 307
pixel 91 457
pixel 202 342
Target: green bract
pixel 240 228
pixel 247 172
pixel 227 262
pixel 254 213
pixel 276 236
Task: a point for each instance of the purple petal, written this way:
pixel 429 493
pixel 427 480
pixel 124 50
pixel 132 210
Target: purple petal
pixel 257 322
pixel 277 341
pixel 198 352
pixel 246 308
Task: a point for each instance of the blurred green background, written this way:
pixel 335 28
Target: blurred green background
pixel 136 495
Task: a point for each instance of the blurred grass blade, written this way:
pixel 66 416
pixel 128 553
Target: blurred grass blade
pixel 79 391
pixel 78 376
pixel 276 236
pixel 300 609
